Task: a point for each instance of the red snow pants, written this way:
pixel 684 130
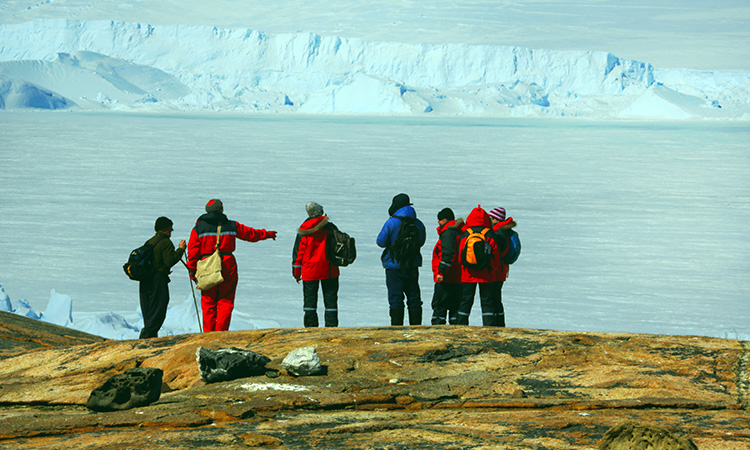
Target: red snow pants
pixel 218 303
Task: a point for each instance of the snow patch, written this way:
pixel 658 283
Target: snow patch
pixel 254 387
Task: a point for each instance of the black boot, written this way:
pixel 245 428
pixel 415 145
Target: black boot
pixel 397 316
pixel 415 316
pixel 310 319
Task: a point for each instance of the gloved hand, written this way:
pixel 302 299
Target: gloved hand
pixel 271 234
pixel 297 273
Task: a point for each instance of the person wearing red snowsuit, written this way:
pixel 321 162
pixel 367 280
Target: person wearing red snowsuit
pixel 478 220
pixel 501 226
pixel 446 269
pixel 217 303
pixel 311 265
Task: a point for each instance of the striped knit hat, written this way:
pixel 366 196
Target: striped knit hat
pixel 498 213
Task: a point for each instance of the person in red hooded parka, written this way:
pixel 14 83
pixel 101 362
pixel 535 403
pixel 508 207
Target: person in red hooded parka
pixel 446 269
pixel 217 303
pixel 486 278
pixel 311 265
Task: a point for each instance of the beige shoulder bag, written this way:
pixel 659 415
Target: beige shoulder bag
pixel 208 272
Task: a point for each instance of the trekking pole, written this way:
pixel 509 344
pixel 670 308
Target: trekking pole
pixel 195 302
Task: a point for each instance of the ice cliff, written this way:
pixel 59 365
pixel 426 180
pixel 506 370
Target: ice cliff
pixel 62 64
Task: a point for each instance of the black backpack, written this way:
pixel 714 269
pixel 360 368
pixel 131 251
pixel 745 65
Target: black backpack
pixel 140 264
pixel 406 247
pixel 340 248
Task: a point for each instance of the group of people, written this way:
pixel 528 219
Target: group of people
pixel 401 237
pixel 456 278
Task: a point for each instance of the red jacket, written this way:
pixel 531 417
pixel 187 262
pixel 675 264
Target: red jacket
pixel 500 230
pixel 310 261
pixel 202 241
pixel 478 220
pixel 445 254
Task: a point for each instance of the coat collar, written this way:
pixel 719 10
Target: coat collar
pixel 457 224
pixel 312 225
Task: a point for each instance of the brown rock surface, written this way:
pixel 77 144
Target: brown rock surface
pixel 389 388
pixel 19 333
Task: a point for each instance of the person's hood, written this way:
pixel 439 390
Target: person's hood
pixel 215 218
pixel 453 224
pixel 478 217
pixel 406 211
pixel 312 225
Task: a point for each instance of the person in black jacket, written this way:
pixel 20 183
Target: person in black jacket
pixel 154 291
pixel 446 269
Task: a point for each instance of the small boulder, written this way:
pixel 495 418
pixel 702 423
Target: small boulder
pixel 133 388
pixel 227 364
pixel 303 361
pixel 634 436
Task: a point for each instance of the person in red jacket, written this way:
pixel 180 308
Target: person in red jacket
pixel 446 269
pixel 501 226
pixel 218 303
pixel 311 265
pixel 478 221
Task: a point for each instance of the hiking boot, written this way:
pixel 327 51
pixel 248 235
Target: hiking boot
pixel 397 316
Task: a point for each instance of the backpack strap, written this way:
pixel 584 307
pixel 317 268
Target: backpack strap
pixel 218 236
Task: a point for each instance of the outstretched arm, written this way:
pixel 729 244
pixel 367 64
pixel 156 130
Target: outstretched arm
pixel 254 234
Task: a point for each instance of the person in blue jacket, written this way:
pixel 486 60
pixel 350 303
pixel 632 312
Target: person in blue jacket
pixel 401 259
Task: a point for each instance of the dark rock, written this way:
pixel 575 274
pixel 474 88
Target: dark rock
pixel 131 389
pixel 227 364
pixel 634 436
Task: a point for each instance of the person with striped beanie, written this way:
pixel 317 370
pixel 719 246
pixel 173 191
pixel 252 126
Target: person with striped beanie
pixel 501 226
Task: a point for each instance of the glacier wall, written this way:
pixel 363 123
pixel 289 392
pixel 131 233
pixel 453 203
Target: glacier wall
pixel 131 66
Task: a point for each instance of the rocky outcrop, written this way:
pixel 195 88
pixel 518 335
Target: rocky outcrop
pixel 396 387
pixel 19 333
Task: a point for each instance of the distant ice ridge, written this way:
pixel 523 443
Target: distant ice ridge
pixel 60 64
pixel 181 318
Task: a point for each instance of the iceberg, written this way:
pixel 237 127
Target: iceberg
pixel 95 65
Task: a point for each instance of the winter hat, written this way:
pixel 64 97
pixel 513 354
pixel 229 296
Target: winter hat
pixel 162 223
pixel 314 209
pixel 398 202
pixel 214 205
pixel 446 213
pixel 498 213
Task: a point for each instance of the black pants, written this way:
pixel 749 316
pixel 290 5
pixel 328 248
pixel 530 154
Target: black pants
pixel 404 283
pixel 154 296
pixel 330 302
pixel 445 302
pixel 493 313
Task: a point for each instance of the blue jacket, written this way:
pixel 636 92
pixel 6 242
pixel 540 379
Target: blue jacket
pixel 390 230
